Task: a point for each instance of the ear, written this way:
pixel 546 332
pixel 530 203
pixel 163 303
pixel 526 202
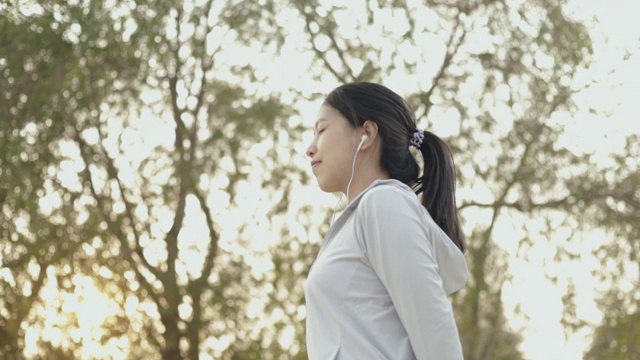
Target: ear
pixel 370 129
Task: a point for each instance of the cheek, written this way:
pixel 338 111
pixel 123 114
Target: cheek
pixel 323 144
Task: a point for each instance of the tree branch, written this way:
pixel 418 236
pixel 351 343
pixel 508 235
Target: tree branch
pixel 117 232
pixel 207 64
pixel 112 171
pixel 182 172
pixel 341 56
pixel 212 251
pixel 320 54
pixel 452 50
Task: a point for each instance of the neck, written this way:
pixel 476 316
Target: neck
pixel 363 177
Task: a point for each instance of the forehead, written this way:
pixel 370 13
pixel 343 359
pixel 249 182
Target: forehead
pixel 327 113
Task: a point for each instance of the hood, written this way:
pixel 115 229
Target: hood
pixel 452 264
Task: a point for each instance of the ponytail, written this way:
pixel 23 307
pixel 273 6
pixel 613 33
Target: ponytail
pixel 359 102
pixel 438 186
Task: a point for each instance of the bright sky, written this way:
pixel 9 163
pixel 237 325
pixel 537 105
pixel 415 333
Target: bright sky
pixel 617 95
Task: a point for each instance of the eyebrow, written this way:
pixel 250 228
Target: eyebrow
pixel 318 122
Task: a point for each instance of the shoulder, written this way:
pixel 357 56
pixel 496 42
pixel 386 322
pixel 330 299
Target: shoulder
pixel 389 194
pixel 390 201
pixel 393 200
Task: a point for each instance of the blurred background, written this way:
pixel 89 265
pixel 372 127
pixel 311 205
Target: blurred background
pixel 156 202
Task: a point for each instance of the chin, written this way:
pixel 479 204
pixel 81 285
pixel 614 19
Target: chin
pixel 324 188
pixel 330 188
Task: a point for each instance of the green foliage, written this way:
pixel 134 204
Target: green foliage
pixel 616 339
pixel 34 238
pixel 69 134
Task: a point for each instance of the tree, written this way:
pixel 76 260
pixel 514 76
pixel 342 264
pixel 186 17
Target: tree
pixel 619 212
pixel 616 339
pixel 35 236
pixel 126 74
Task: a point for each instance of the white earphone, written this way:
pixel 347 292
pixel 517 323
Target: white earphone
pixel 362 140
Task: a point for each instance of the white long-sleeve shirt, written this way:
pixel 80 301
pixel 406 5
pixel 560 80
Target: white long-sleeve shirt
pixel 380 284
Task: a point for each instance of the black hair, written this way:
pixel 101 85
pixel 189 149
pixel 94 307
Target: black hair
pixel 362 101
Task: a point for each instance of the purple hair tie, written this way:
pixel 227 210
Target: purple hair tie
pixel 417 138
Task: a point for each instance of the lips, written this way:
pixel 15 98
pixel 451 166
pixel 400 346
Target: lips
pixel 315 163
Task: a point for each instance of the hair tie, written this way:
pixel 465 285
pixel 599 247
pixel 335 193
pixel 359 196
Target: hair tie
pixel 417 138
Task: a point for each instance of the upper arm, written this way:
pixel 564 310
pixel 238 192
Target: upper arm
pixel 398 249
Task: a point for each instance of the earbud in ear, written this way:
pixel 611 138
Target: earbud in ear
pixel 362 140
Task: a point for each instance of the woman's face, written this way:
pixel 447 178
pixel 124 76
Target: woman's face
pixel 332 149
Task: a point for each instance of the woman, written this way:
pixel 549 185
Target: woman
pixel 380 284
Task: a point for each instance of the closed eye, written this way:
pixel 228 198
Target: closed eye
pixel 318 125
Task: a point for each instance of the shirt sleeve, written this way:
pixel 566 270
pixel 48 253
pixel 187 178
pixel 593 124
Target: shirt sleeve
pixel 395 235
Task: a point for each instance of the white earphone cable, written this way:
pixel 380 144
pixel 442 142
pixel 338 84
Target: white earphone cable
pixel 353 171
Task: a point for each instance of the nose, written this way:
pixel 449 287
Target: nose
pixel 312 149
